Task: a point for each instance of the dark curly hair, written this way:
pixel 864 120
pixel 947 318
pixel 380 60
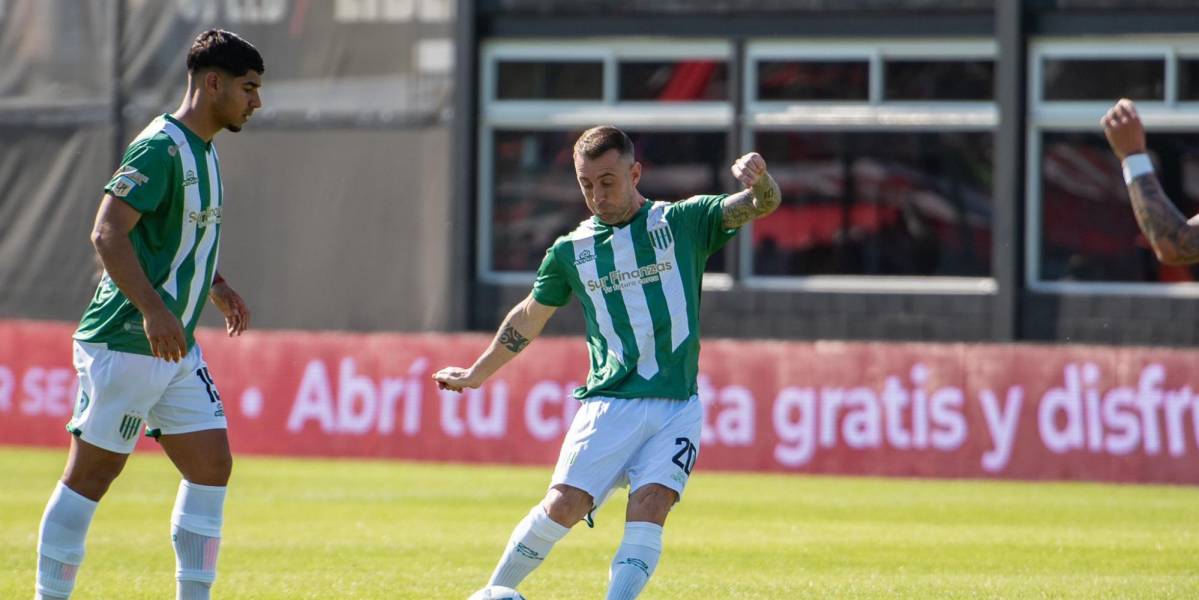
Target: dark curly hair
pixel 224 50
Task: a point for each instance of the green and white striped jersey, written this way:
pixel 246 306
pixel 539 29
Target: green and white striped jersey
pixel 172 177
pixel 639 284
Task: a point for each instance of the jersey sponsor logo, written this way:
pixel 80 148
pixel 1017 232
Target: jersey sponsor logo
pixel 585 256
pixel 190 179
pixel 619 280
pixel 204 218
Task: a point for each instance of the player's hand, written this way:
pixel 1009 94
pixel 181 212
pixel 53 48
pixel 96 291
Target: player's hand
pixel 237 314
pixel 749 169
pixel 165 334
pixel 1123 129
pixel 456 379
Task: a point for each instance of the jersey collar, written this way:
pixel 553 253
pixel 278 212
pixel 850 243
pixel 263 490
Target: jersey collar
pixel 188 133
pixel 638 216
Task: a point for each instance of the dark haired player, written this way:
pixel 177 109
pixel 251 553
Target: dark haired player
pixel 157 233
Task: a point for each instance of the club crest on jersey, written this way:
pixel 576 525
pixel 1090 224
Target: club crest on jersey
pixel 661 237
pixel 128 426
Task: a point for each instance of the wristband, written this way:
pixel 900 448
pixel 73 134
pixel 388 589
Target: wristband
pixel 1136 165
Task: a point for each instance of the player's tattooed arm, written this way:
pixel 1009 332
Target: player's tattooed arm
pixel 1175 240
pixel 511 339
pixel 523 323
pixel 753 203
pixel 760 197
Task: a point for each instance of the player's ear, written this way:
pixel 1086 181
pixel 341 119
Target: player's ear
pixel 212 82
pixel 635 172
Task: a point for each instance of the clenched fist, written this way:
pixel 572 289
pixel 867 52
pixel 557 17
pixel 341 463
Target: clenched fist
pixel 1123 129
pixel 749 169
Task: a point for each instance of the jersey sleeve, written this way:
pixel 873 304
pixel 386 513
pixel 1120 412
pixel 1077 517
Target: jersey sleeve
pixel 144 175
pixel 552 287
pixel 705 215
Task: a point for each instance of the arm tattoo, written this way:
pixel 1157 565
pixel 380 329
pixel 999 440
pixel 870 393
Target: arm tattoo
pixel 1172 238
pixel 511 339
pixel 747 205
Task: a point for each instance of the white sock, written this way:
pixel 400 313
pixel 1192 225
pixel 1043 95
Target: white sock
pixel 196 535
pixel 527 548
pixel 635 560
pixel 60 542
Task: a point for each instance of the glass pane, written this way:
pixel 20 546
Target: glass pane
pixel 1088 231
pixel 1104 79
pixel 1188 79
pixel 531 80
pixel 939 80
pixel 674 81
pixel 877 203
pixel 537 199
pixel 813 80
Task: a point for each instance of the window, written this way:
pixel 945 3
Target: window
pixel 1188 79
pixel 883 153
pixel 676 81
pixel 813 80
pixel 1082 234
pixel 878 203
pixel 920 79
pixel 1104 79
pixel 1080 176
pixel 673 99
pixel 542 80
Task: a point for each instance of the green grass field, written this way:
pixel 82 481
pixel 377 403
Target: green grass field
pixel 365 529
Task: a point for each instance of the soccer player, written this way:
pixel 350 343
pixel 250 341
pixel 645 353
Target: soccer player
pixel 636 267
pixel 157 233
pixel 1174 238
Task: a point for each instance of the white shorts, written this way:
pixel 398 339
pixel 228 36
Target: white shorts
pixel 638 441
pixel 118 391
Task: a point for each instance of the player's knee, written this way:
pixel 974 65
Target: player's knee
pixel 567 505
pixel 91 482
pixel 215 470
pixel 651 503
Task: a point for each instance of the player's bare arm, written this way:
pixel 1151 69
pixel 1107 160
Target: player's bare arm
pixel 110 236
pixel 1174 239
pixel 231 305
pixel 523 323
pixel 760 197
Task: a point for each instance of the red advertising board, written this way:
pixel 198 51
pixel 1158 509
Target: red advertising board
pixel 925 410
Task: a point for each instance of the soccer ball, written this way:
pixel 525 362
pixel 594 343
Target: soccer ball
pixel 496 592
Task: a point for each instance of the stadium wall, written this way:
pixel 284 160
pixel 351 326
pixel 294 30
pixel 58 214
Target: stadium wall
pixel 894 409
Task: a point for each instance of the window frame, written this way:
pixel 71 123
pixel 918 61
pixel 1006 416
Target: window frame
pixel 875 114
pixel 556 115
pixel 1167 116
